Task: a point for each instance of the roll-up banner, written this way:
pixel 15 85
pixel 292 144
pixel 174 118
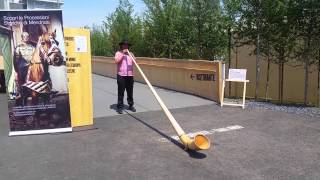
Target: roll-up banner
pixel 77 42
pixel 32 46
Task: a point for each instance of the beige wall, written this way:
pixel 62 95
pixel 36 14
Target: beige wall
pixel 293 79
pixel 171 74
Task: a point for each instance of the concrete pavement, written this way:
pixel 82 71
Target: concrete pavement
pixel 105 97
pixel 271 145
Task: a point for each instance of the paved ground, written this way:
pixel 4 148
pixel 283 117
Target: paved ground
pixel 105 97
pixel 271 145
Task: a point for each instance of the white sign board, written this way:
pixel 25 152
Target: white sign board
pixel 237 74
pixel 80 43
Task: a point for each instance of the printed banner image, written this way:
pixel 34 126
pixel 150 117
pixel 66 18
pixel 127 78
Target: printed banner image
pixel 32 47
pixel 2 80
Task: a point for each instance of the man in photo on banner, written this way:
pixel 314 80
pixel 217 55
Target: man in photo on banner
pixel 22 57
pixel 124 75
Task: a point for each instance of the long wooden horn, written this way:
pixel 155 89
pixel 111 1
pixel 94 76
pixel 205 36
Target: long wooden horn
pixel 199 142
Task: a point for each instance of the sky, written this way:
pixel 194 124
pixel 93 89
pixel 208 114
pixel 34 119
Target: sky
pixel 78 13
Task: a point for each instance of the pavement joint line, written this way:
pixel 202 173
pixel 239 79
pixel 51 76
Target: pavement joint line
pixel 205 132
pixel 98 88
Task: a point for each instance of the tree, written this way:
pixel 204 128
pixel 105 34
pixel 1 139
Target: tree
pixel 170 29
pixel 161 27
pixel 231 10
pixel 210 35
pixel 308 35
pixel 273 22
pixel 318 87
pixel 99 42
pixel 119 25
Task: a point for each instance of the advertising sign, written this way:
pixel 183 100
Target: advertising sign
pixel 32 47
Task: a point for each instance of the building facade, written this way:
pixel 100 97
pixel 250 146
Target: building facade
pixel 31 4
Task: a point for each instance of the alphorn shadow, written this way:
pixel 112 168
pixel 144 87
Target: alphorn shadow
pixel 192 153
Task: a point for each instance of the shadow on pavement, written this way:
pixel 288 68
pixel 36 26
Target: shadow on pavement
pixel 192 153
pixel 114 107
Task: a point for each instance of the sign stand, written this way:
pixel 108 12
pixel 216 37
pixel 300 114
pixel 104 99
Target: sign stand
pixel 235 75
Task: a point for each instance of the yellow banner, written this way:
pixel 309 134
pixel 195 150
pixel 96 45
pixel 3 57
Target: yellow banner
pixel 78 51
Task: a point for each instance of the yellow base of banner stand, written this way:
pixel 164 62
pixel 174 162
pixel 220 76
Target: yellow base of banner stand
pixel 77 42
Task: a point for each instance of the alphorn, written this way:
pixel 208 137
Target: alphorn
pixel 199 141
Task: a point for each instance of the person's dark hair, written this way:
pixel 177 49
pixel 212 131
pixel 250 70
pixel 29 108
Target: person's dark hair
pixel 125 42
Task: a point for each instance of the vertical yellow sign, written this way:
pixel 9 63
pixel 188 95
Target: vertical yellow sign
pixel 78 51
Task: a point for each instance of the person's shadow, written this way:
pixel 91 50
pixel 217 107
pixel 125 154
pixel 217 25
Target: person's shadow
pixel 114 107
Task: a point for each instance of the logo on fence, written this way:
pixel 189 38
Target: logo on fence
pixel 203 77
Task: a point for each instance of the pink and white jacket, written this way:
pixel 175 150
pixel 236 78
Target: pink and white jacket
pixel 124 64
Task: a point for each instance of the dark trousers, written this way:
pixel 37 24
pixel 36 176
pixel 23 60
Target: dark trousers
pixel 125 83
pixel 22 78
pixel 2 83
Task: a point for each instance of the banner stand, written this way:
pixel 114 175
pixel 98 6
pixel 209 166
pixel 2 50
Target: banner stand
pixel 43 131
pixel 33 51
pixel 79 76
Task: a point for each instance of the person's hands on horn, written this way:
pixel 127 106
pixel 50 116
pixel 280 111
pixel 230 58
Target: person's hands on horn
pixel 125 51
pixel 132 55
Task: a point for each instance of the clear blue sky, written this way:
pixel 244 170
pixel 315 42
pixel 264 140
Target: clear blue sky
pixel 78 13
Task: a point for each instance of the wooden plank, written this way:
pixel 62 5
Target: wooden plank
pixel 232 104
pixel 236 80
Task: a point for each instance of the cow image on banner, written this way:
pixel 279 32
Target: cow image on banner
pixel 32 45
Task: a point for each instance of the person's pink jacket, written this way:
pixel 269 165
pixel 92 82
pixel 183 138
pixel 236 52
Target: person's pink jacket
pixel 124 64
